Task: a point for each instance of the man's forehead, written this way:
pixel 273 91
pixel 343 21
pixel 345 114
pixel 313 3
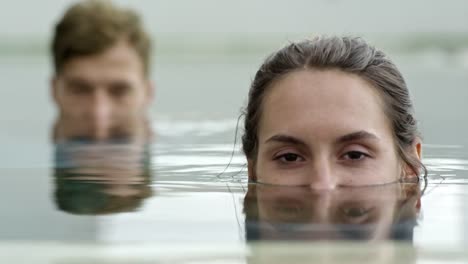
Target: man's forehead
pixel 119 58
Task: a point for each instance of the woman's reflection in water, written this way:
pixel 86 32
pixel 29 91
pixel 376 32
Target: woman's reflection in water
pixel 385 212
pixel 103 175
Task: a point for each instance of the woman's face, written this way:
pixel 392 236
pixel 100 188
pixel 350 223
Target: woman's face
pixel 324 129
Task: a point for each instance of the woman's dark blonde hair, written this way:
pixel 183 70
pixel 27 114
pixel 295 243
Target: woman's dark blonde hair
pixel 348 54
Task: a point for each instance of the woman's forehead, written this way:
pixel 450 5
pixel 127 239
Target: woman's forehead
pixel 324 88
pixel 327 100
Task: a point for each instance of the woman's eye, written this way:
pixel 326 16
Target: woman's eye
pixel 355 155
pixel 290 157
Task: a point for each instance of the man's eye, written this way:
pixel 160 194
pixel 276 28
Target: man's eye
pixel 79 89
pixel 355 155
pixel 120 89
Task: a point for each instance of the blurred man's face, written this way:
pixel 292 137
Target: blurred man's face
pixel 98 91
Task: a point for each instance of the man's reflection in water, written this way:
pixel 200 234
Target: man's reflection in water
pixel 105 175
pixel 299 213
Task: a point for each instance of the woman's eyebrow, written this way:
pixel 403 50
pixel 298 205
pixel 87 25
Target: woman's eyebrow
pixel 286 139
pixel 359 135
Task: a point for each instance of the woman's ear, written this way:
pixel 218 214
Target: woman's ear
pixel 251 170
pixel 417 148
pixel 415 151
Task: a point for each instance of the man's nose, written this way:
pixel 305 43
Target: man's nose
pixel 322 177
pixel 101 114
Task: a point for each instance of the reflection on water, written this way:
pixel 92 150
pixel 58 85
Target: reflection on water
pixel 101 176
pixel 359 213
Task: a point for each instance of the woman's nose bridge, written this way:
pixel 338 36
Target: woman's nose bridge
pixel 322 175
